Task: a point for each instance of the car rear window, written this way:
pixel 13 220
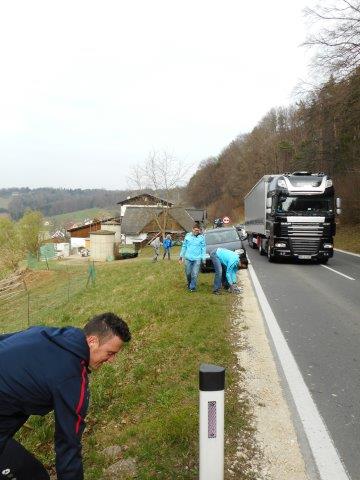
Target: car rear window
pixel 221 236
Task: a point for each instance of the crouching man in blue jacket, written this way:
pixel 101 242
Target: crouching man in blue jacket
pixel 226 264
pixel 44 369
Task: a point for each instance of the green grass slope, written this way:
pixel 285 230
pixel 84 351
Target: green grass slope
pixel 348 238
pixel 147 401
pixel 79 215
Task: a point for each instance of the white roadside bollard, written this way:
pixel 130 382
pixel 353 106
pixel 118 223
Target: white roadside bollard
pixel 211 385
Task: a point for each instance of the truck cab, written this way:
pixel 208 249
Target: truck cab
pixel 298 215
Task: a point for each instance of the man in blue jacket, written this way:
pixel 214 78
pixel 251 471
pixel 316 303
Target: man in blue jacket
pixel 226 264
pixel 193 251
pixel 44 369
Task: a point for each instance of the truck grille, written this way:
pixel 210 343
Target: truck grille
pixel 302 230
pixel 304 238
pixel 304 246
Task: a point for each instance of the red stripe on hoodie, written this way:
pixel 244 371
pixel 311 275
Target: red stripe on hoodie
pixel 82 396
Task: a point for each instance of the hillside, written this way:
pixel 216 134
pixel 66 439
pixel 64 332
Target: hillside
pixel 319 134
pixel 57 201
pixel 4 202
pixel 80 215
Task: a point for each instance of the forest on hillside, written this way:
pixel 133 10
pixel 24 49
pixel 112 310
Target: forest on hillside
pixel 320 133
pixel 55 201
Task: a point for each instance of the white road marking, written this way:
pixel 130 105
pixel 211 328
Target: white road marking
pixel 345 251
pixel 323 449
pixel 339 273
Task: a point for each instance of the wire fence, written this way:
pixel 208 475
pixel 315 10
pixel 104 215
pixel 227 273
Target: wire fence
pixel 28 297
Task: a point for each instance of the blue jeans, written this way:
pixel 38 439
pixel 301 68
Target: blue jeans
pixel 220 272
pixel 166 252
pixel 192 268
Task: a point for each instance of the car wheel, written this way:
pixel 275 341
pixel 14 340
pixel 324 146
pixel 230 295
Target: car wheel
pixel 250 241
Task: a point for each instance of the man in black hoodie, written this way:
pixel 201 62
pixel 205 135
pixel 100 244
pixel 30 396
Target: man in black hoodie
pixel 44 369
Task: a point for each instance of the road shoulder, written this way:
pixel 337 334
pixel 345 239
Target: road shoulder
pixel 275 433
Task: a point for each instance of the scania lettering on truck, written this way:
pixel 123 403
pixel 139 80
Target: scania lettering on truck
pixel 292 215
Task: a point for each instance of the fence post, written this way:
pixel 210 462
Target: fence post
pixel 211 386
pixel 91 274
pixel 69 278
pixel 28 303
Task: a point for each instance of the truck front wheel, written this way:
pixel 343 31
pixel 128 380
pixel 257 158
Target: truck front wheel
pixel 270 256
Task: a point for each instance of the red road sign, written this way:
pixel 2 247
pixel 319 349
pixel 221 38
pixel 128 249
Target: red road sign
pixel 226 220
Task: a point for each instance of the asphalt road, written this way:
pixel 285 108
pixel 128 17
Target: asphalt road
pixel 318 311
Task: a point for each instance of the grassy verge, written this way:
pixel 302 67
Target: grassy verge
pixel 147 401
pixel 4 273
pixel 348 238
pixel 37 293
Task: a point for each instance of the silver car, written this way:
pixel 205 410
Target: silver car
pixel 224 237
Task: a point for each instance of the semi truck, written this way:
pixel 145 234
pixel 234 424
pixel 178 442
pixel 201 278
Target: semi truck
pixel 292 215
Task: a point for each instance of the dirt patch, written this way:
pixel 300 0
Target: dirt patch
pixel 25 278
pixel 75 259
pixel 32 277
pixel 279 455
pixel 150 278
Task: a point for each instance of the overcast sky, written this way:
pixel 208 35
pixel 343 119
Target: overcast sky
pixel 89 88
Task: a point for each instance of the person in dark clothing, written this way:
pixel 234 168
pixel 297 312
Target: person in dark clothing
pixel 44 369
pixel 17 462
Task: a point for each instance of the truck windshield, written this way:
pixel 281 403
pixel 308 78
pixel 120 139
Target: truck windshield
pixel 304 204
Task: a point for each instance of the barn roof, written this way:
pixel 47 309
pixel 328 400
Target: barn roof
pixel 182 217
pixel 135 219
pixel 107 221
pixel 197 214
pixel 125 201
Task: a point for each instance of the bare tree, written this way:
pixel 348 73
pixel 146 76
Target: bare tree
pixel 338 39
pixel 161 173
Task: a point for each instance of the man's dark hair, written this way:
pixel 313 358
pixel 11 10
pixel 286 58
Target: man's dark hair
pixel 106 325
pixel 243 263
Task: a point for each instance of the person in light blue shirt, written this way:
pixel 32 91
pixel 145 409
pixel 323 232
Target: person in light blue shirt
pixel 226 264
pixel 192 253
